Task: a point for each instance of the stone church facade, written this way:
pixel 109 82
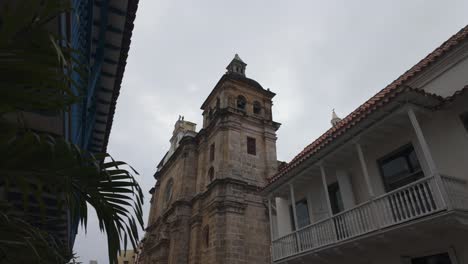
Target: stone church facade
pixel 205 206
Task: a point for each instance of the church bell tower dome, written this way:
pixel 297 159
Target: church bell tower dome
pixel 236 66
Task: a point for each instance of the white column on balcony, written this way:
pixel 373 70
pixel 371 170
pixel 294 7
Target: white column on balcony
pixel 293 204
pixel 422 143
pixel 325 189
pixel 428 156
pixel 271 218
pixel 283 216
pixel 362 160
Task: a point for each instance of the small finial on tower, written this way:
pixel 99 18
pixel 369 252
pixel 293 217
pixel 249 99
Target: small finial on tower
pixel 237 65
pixel 335 119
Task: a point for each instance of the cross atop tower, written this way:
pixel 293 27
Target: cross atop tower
pixel 236 66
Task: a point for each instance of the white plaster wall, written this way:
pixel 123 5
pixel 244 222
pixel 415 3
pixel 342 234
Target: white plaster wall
pixel 450 80
pixel 346 188
pixel 317 202
pixel 283 217
pixel 448 139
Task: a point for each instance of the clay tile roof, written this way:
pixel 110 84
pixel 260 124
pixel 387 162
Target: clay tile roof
pixel 373 103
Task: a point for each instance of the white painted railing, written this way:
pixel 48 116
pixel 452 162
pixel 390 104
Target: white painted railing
pixel 285 246
pixel 316 235
pixel 457 192
pixel 413 201
pixel 355 221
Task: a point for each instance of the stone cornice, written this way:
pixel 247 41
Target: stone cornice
pixel 220 121
pixel 185 141
pixel 170 210
pixel 226 206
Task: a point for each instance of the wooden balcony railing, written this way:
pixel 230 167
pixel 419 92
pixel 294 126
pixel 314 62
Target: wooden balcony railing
pixel 418 199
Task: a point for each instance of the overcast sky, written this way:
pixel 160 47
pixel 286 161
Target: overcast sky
pixel 315 55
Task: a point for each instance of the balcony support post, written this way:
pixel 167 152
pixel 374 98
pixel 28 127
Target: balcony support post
pixel 293 205
pixel 365 172
pixel 325 189
pixel 370 189
pixel 428 157
pixel 271 218
pixel 327 198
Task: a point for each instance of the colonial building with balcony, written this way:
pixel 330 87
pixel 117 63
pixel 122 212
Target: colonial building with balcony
pixel 389 182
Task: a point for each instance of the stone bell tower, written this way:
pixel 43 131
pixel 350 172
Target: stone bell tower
pixel 205 204
pixel 237 152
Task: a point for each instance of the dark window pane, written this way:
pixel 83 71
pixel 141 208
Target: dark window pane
pixel 212 152
pixel 335 198
pixel 211 174
pixel 434 259
pixel 400 168
pixel 241 102
pixel 302 214
pixel 257 108
pixel 395 167
pixel 206 236
pixel 251 146
pixel 464 119
pixel 413 160
pixel 168 191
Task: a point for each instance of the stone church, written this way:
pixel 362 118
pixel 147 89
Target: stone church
pixel 205 205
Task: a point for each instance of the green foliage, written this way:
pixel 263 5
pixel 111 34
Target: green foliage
pixel 34 60
pixel 36 67
pixel 38 163
pixel 21 242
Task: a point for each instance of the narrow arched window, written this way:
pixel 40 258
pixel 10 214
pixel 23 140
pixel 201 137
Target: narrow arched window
pixel 212 152
pixel 218 103
pixel 211 174
pixel 257 108
pixel 206 235
pixel 241 102
pixel 168 191
pixel 210 114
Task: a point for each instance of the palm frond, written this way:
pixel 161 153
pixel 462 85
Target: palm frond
pixel 65 171
pixel 22 243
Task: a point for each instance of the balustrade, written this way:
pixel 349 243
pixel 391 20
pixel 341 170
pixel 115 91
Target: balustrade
pixel 416 200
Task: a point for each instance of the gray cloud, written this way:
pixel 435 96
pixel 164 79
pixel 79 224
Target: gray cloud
pixel 315 55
